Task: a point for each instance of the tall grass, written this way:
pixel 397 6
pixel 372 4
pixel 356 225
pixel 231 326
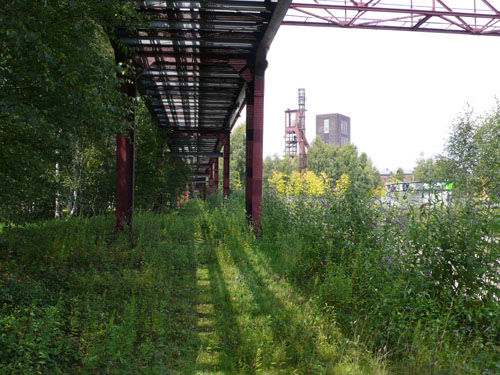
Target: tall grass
pixel 75 298
pixel 269 326
pixel 420 286
pixel 336 285
pixel 186 293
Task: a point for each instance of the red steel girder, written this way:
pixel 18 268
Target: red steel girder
pixel 225 176
pixel 254 150
pixel 125 155
pixel 215 162
pixel 475 17
pixel 195 64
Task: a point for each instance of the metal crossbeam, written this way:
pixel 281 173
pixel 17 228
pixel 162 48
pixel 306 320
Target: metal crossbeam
pixel 475 17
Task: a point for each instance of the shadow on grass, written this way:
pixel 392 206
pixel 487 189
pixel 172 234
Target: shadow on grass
pixel 181 341
pixel 297 339
pixel 218 327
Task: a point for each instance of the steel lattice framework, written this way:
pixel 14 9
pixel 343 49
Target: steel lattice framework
pixel 475 17
pixel 199 62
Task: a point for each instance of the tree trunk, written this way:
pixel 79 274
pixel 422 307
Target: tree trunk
pixel 76 183
pixel 58 207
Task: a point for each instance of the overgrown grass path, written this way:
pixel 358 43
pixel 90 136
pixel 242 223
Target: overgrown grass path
pixel 194 292
pixel 245 319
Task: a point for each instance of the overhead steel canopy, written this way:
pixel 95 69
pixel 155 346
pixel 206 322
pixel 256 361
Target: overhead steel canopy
pixel 201 61
pixel 196 58
pixel 476 17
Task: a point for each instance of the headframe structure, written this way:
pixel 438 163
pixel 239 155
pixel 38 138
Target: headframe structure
pixel 295 131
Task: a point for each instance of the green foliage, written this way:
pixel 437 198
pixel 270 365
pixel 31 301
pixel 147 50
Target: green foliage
pixel 333 284
pixel 298 184
pixel 399 176
pixel 238 157
pixel 60 110
pixel 261 323
pixel 471 157
pixel 76 299
pixel 157 177
pixel 431 169
pixel 59 102
pixel 336 289
pixel 462 152
pixel 420 285
pixel 488 139
pixel 274 164
pixel 190 294
pixel 335 161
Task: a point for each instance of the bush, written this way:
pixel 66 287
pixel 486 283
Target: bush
pixel 75 298
pixel 423 279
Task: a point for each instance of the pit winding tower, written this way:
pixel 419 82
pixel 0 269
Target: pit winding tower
pixel 295 131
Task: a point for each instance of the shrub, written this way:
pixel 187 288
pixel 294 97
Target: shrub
pixel 404 279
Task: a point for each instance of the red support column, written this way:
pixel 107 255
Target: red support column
pixel 215 162
pixel 204 191
pixel 125 169
pixel 254 135
pixel 225 182
pixel 210 178
pixel 161 155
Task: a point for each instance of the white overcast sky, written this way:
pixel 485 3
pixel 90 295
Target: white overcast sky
pixel 402 90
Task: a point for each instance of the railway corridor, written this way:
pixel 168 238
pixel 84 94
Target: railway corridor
pixel 234 315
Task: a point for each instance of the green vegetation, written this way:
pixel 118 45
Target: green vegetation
pixel 238 157
pixel 470 159
pixel 60 110
pixel 335 161
pixel 418 286
pixel 334 286
pixel 194 294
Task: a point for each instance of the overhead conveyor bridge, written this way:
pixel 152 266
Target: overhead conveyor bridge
pixel 201 62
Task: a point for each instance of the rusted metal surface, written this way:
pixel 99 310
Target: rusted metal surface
pixel 476 17
pixel 125 167
pixel 196 60
pixel 215 162
pixel 210 179
pixel 295 132
pixel 225 175
pixel 199 60
pixel 194 55
pixel 255 138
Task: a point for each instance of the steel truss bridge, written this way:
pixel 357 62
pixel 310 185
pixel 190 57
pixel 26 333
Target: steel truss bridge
pixel 200 62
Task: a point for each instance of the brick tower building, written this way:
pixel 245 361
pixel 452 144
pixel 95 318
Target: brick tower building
pixel 334 129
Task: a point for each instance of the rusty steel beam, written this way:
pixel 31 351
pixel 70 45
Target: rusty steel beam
pixel 475 17
pixel 237 108
pixel 125 155
pixel 225 177
pixel 255 118
pixel 210 179
pixel 194 4
pixel 254 149
pixel 215 162
pixel 181 154
pixel 196 60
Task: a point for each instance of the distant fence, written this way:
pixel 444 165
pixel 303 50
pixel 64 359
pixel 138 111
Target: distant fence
pixel 403 193
pixel 418 187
